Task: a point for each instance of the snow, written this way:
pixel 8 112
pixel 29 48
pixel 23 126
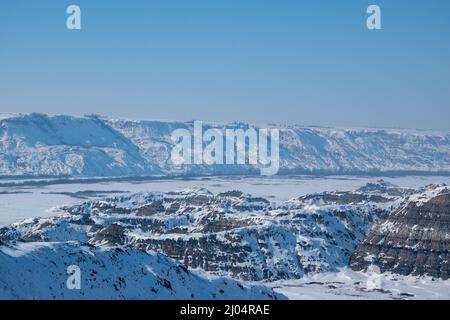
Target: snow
pixel 39 271
pixel 43 155
pixel 43 201
pixel 349 285
pixel 67 238
pixel 280 240
pixel 38 144
pixel 59 145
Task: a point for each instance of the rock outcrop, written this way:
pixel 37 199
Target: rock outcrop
pixel 414 240
pixel 231 233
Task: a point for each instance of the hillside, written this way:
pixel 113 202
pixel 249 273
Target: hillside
pixel 38 270
pixel 41 145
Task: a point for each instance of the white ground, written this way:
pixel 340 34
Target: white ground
pixel 348 284
pixel 18 206
pixel 343 285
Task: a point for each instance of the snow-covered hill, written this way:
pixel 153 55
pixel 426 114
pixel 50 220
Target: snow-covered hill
pixel 230 233
pixel 60 145
pixel 38 270
pixel 35 144
pixel 123 243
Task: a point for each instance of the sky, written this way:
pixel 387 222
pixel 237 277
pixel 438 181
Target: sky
pixel 308 62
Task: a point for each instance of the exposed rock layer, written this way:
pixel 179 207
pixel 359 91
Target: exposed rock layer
pixel 229 234
pixel 414 240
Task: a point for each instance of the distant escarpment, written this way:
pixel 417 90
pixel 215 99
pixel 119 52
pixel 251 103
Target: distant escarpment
pixel 37 145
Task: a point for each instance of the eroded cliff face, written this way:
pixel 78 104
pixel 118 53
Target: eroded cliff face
pixel 230 233
pixel 251 238
pixel 413 240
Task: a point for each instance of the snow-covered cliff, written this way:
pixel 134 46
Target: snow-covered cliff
pixel 39 145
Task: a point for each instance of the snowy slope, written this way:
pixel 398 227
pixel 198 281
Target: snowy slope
pixel 39 271
pixel 314 149
pixel 350 285
pixel 41 145
pixel 91 146
pixel 230 233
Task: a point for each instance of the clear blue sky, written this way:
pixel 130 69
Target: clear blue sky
pixel 306 62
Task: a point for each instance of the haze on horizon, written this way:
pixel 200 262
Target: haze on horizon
pixel 287 62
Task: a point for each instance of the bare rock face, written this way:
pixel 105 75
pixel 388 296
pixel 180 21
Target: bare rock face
pixel 414 240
